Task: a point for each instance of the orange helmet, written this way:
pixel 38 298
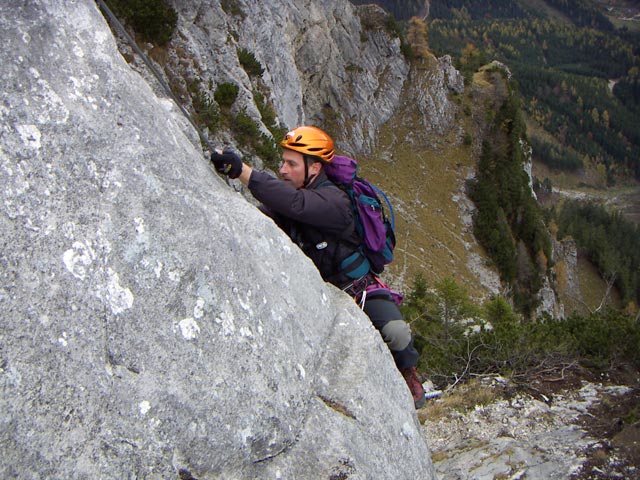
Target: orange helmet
pixel 309 141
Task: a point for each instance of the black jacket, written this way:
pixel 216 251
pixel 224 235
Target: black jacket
pixel 319 218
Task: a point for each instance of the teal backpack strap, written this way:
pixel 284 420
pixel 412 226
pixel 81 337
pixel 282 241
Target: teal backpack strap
pixel 356 265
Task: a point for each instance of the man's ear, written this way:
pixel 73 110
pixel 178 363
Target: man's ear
pixel 315 168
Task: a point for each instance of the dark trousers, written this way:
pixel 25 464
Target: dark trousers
pixel 387 319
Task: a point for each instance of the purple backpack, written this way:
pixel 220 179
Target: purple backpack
pixel 375 229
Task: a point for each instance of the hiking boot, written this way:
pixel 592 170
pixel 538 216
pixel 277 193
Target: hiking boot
pixel 415 387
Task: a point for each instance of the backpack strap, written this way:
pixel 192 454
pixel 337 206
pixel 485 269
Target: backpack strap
pixel 356 265
pixel 386 200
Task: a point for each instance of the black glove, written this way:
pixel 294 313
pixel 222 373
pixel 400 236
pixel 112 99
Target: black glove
pixel 228 163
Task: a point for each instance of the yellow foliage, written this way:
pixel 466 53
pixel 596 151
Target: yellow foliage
pixel 468 54
pixel 418 38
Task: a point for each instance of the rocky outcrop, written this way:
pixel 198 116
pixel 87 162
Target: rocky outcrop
pixel 550 304
pixel 566 270
pixel 429 92
pixel 154 324
pixel 566 251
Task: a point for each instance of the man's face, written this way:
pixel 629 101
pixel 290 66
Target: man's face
pixel 292 169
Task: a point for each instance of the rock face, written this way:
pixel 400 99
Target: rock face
pixel 325 66
pixel 154 324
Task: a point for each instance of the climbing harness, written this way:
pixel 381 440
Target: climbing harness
pixel 370 286
pixel 156 74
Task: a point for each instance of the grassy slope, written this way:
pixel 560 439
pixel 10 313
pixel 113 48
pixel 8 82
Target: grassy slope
pixel 423 173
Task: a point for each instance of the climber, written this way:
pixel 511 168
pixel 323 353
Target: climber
pixel 317 215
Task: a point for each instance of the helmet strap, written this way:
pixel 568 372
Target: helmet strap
pixel 307 179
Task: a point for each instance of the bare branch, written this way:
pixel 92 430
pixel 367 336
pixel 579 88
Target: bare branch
pixel 605 298
pixel 423 314
pixel 467 366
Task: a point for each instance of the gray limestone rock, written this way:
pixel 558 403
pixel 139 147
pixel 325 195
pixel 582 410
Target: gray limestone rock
pixel 518 438
pixel 324 65
pixel 155 324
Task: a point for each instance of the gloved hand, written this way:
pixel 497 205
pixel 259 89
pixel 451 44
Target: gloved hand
pixel 228 163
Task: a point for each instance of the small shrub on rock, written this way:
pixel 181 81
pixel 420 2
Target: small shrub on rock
pixel 153 20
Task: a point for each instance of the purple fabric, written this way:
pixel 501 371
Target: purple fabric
pixel 341 169
pixel 370 213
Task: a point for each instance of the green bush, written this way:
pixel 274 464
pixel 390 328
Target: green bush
pixel 270 152
pixel 249 62
pixel 206 111
pixel 248 133
pixel 464 341
pixel 267 113
pixel 605 339
pixel 153 20
pixel 245 128
pixel 226 93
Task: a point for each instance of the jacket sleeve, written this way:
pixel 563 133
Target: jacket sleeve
pixel 325 207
